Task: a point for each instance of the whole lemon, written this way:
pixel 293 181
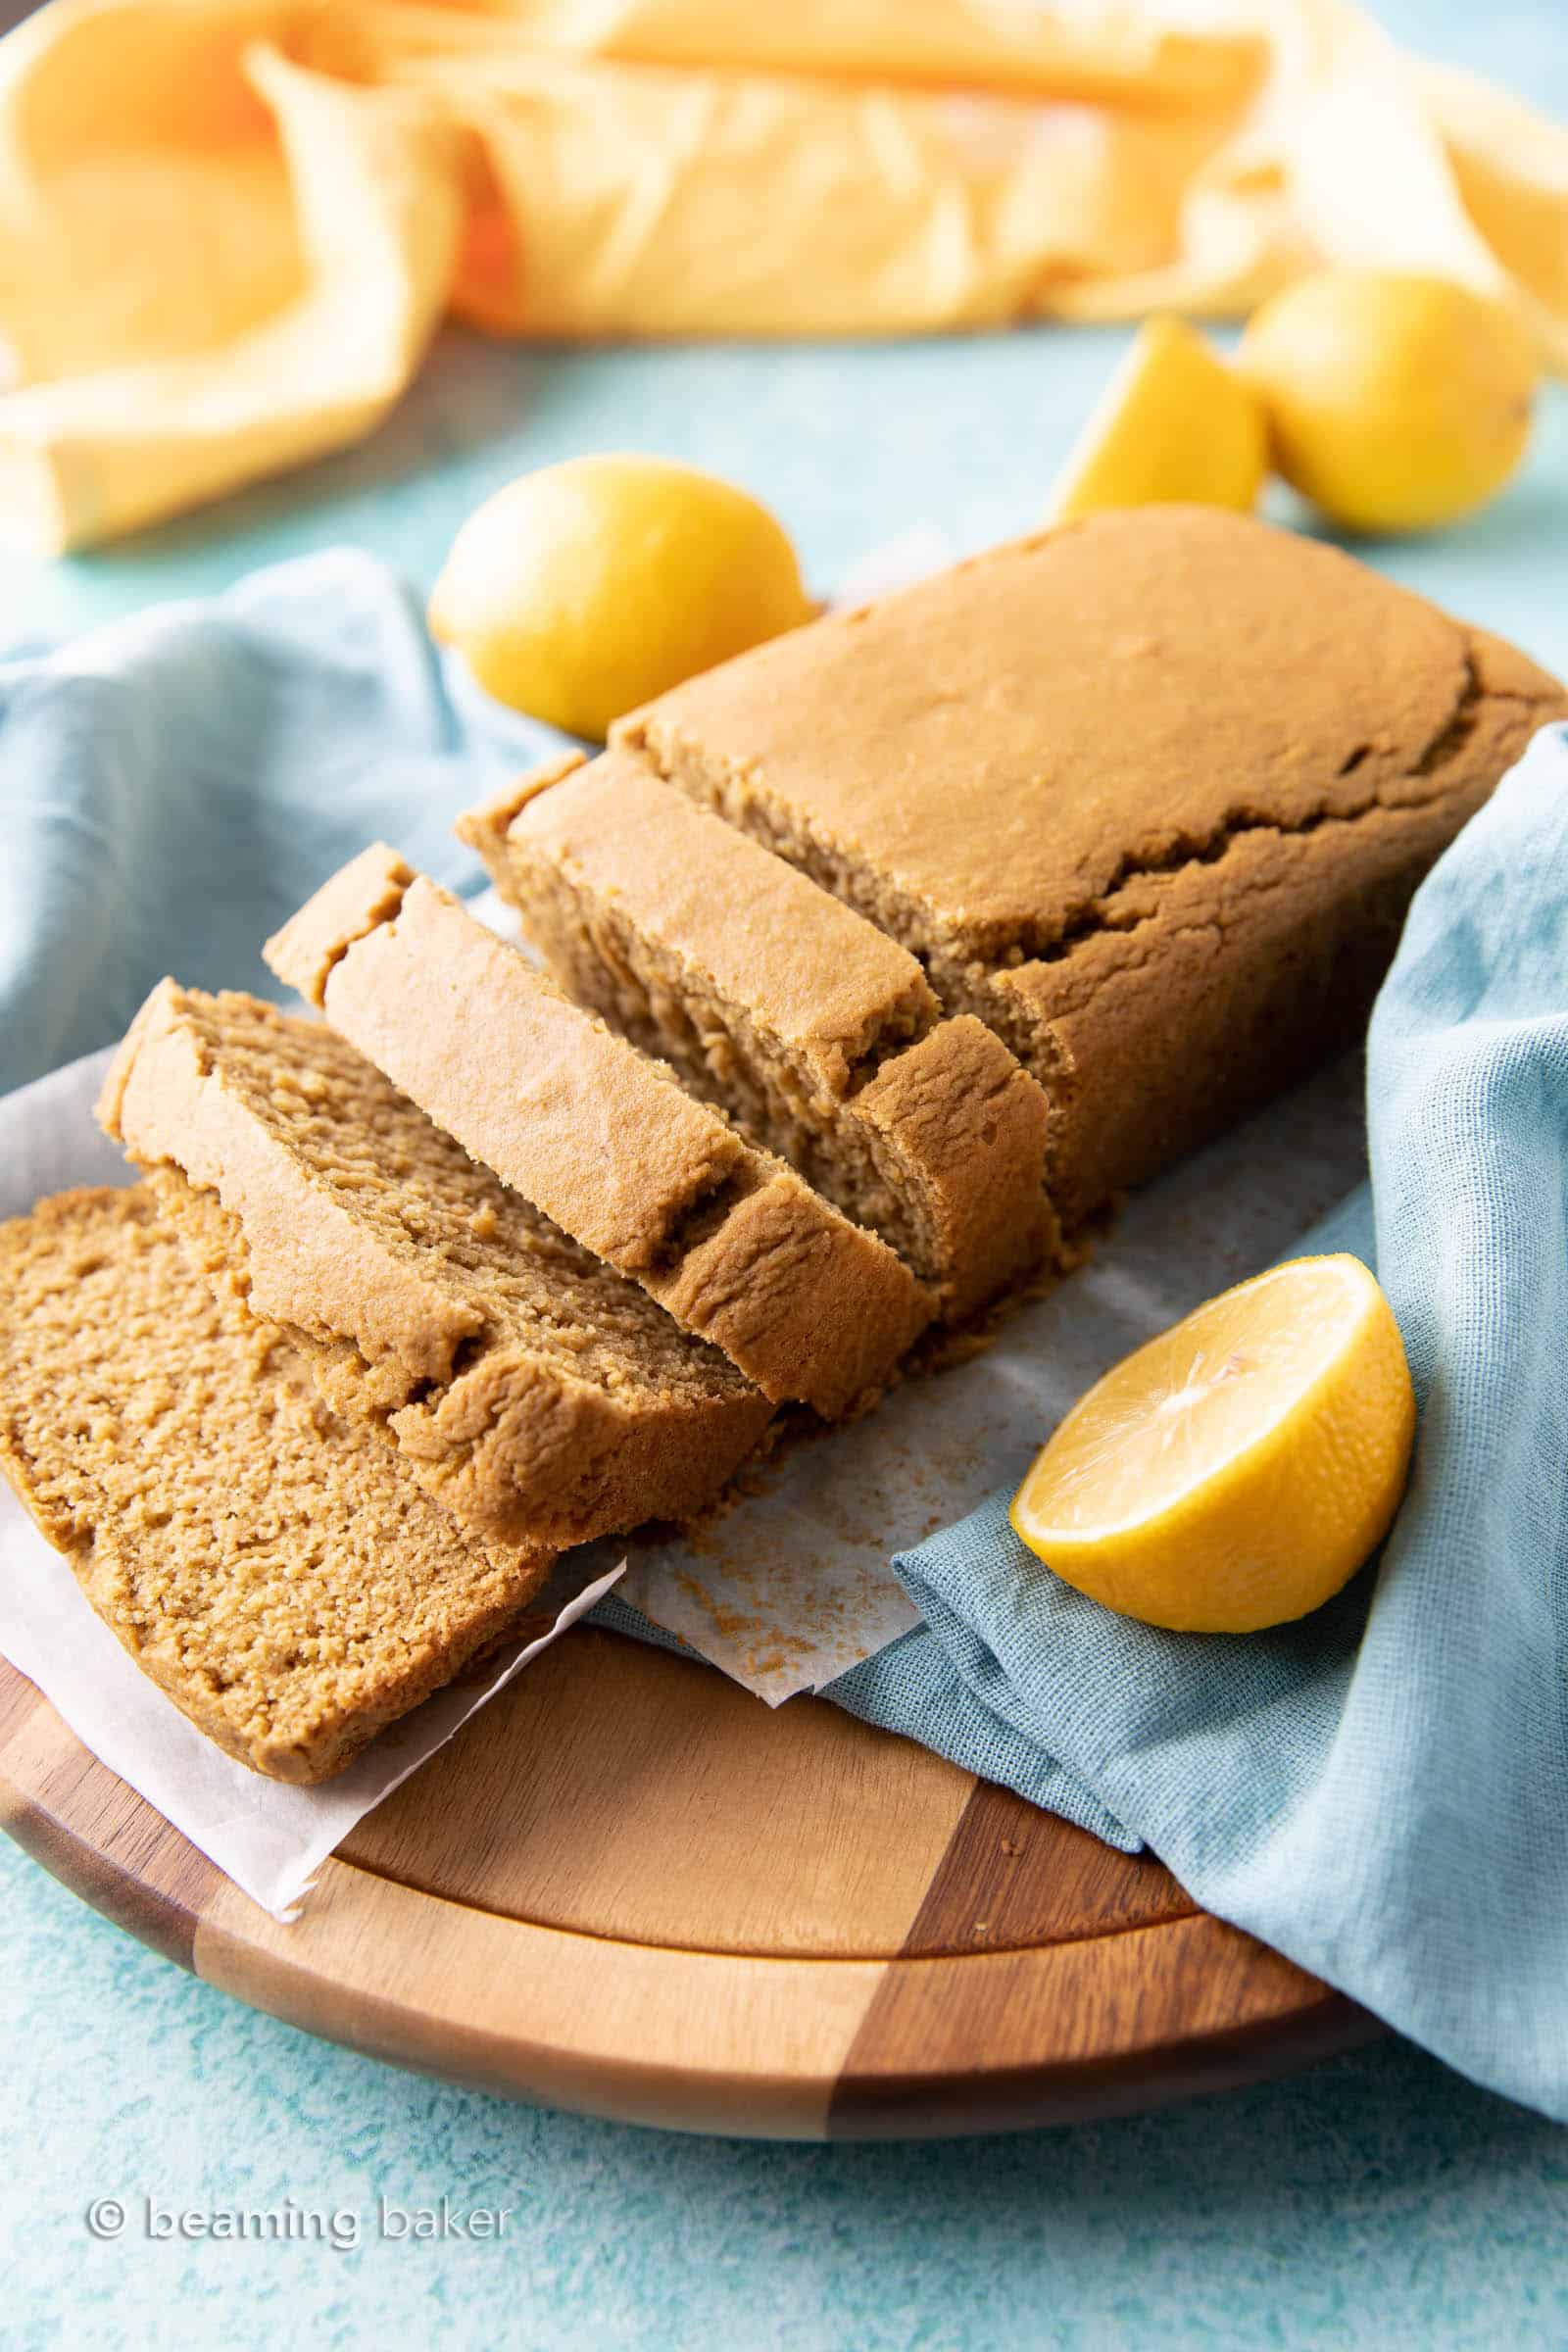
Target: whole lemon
pixel 589 587
pixel 1396 401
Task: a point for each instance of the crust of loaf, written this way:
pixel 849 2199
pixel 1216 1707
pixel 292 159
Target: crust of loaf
pixel 265 1563
pixel 832 990
pixel 973 1125
pixel 311 1263
pixel 606 1142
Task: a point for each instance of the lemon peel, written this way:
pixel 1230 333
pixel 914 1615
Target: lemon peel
pixel 587 588
pixel 1397 402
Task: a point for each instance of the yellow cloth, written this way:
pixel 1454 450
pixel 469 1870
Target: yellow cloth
pixel 228 227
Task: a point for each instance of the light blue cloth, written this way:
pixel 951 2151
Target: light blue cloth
pixel 173 785
pixel 940 1684
pixel 1381 1791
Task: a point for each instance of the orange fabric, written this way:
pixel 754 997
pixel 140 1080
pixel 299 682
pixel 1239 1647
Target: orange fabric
pixel 228 227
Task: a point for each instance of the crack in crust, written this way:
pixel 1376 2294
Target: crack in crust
pixel 1186 853
pixel 1134 1079
pixel 366 895
pixel 1445 749
pixel 959 972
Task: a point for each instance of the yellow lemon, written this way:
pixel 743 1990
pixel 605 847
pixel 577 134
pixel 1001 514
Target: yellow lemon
pixel 1174 423
pixel 1394 402
pixel 586 588
pixel 1236 1471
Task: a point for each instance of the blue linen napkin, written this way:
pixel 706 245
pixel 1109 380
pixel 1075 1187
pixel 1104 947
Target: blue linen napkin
pixel 173 786
pixel 1381 1791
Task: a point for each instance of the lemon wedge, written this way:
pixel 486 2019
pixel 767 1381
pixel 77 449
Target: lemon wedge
pixel 1234 1472
pixel 1174 423
pixel 582 590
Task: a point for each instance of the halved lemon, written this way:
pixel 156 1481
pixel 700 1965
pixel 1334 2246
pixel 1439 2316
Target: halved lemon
pixel 1234 1472
pixel 1174 423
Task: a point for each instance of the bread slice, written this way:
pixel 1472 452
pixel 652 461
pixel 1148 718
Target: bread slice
pixel 533 1393
pixel 818 1034
pixel 730 1240
pixel 269 1565
pixel 1147 794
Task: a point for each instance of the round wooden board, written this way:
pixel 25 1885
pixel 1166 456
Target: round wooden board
pixel 629 1889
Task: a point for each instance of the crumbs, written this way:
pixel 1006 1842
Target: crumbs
pixel 762 1648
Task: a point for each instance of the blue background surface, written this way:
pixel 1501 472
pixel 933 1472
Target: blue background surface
pixel 1375 2199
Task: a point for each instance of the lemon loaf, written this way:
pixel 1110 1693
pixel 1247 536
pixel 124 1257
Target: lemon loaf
pixel 817 1031
pixel 267 1564
pixel 1147 794
pixel 533 1393
pixel 734 1244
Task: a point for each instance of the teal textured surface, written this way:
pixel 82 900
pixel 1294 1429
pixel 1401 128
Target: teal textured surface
pixel 1376 2201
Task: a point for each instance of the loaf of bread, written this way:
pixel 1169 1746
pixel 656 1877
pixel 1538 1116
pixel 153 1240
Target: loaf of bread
pixel 1147 794
pixel 820 1034
pixel 269 1565
pixel 730 1240
pixel 536 1394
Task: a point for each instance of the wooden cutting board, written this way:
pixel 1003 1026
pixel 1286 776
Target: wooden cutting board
pixel 629 1889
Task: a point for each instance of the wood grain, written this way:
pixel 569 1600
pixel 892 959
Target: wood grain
pixel 702 2041
pixel 629 1889
pixel 1097 2024
pixel 623 1791
pixel 1012 1877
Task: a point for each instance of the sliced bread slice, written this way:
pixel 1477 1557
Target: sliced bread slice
pixel 820 1036
pixel 534 1393
pixel 269 1565
pixel 737 1248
